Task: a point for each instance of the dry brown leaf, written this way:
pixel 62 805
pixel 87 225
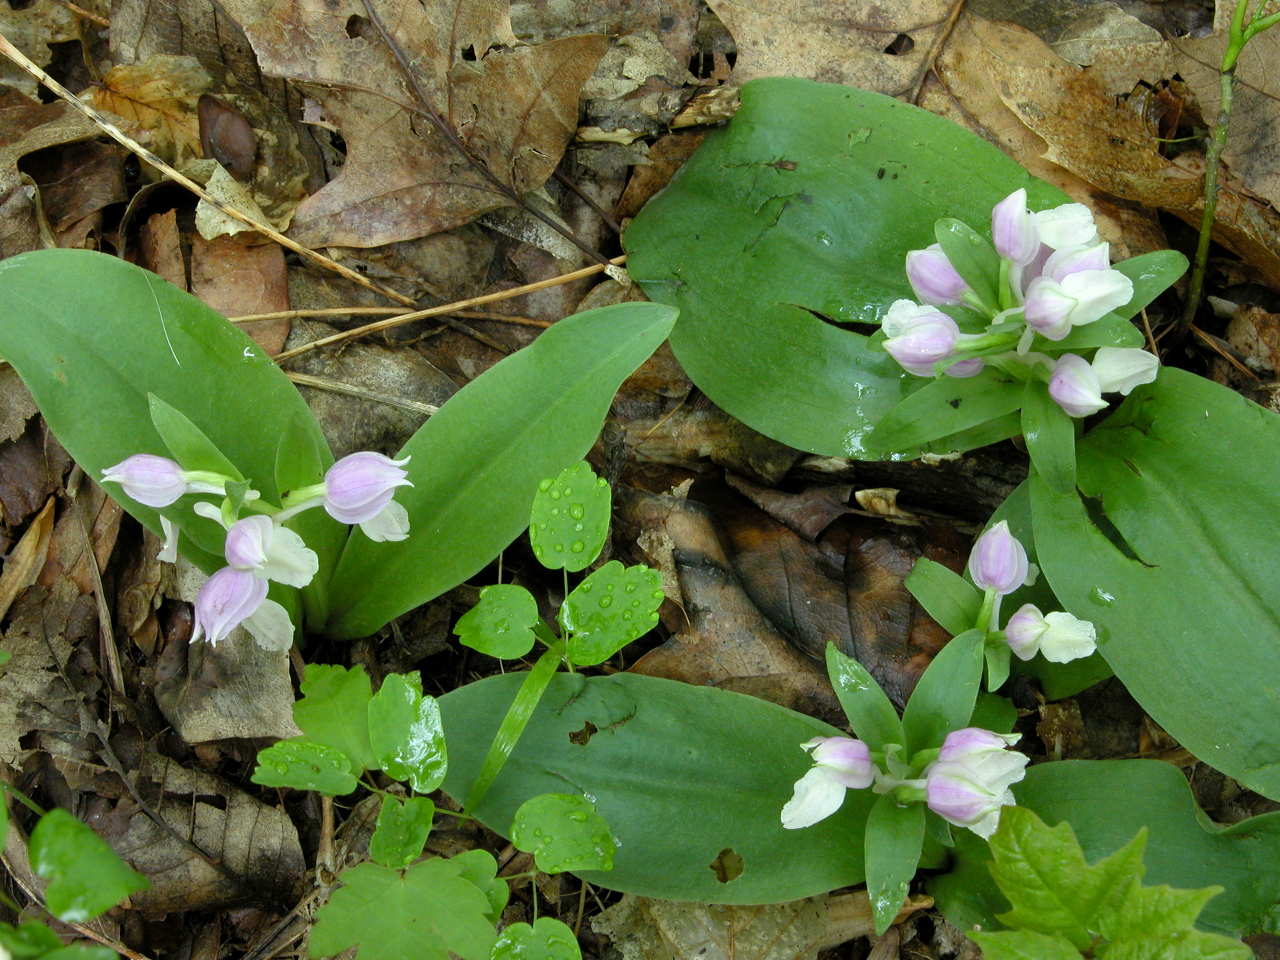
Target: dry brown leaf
pixel 156 99
pixel 92 518
pixel 515 109
pixel 31 28
pixel 82 179
pixel 237 276
pixel 24 562
pixel 30 471
pixel 836 41
pixel 162 248
pixel 16 405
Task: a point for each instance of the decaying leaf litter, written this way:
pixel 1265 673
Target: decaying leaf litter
pixel 394 137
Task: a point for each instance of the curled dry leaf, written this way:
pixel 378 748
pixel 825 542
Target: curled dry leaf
pixel 514 109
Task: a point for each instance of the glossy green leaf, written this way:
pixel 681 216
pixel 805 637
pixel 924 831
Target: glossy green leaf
pixel 303 764
pixel 334 709
pixel 563 831
pixel 405 733
pixel 1051 437
pixel 92 350
pixel 428 911
pixel 86 877
pixel 973 257
pixel 680 773
pixel 501 623
pixel 944 696
pixel 944 407
pixel 994 713
pixel 481 869
pixel 477 463
pixel 547 939
pixel 1152 274
pixel 1173 558
pixel 946 596
pixel 806 205
pixel 997 656
pixel 1184 850
pixel 872 716
pixel 402 830
pixel 608 610
pixel 1023 945
pixel 569 520
pixel 894 837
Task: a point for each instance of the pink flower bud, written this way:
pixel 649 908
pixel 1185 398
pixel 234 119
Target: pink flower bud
pixel 1013 230
pixel 918 336
pixel 1062 263
pixel 1074 386
pixel 840 764
pixel 359 486
pixel 932 276
pixel 1054 307
pixel 151 480
pixel 227 598
pixel 1024 630
pixel 965 368
pixel 969 782
pixel 998 561
pixel 848 760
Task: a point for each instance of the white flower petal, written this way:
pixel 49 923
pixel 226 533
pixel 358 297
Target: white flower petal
pixel 1120 369
pixel 1067 638
pixel 169 552
pixel 270 626
pixel 289 559
pixel 817 795
pixel 390 523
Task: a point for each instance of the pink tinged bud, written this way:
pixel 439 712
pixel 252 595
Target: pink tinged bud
pixel 965 368
pixel 360 485
pixel 1062 263
pixel 840 764
pixel 998 561
pixel 1054 307
pixel 969 782
pixel 847 759
pixel 1013 228
pixel 932 276
pixel 270 551
pixel 1120 369
pixel 1070 225
pixel 1074 386
pixel 1047 308
pixel 227 598
pixel 918 336
pixel 151 480
pixel 1024 630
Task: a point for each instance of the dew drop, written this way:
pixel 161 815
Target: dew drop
pixel 577 528
pixel 585 587
pixel 544 485
pixel 576 511
pixel 559 548
pixel 555 511
pixel 630 588
pixel 577 546
pixel 658 594
pixel 606 602
pixel 555 494
pixel 610 586
pixel 627 614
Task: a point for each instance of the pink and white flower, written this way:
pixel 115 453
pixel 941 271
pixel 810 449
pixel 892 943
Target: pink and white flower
pixel 998 561
pixel 969 782
pixel 359 488
pixel 839 764
pixel 1058 635
pixel 158 481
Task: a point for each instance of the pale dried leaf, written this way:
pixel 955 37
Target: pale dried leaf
pixel 156 100
pixel 238 276
pixel 33 695
pixel 31 29
pixel 27 558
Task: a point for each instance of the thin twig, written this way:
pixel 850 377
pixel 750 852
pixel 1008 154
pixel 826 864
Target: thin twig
pixel 1151 340
pixel 1214 344
pixel 116 134
pixel 85 14
pixel 351 390
pixel 932 57
pixel 384 312
pixel 446 309
pixel 582 195
pixel 447 131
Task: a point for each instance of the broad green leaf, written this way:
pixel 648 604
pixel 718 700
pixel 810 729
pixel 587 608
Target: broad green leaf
pixel 187 443
pixel 943 407
pixel 334 710
pixel 803 209
pixel 1110 331
pixel 997 657
pixel 973 257
pixel 1152 274
pixel 871 715
pixel 1051 437
pixel 946 596
pixel 92 349
pixel 547 939
pixel 405 734
pixel 86 877
pixel 681 773
pixel 569 520
pixel 402 830
pixel 1188 945
pixel 1184 849
pixel 31 939
pixel 1042 871
pixel 608 610
pixel 563 831
pixel 481 869
pixel 1023 945
pixel 426 912
pixel 945 693
pixel 994 713
pixel 477 463
pixel 1173 558
pixel 501 624
pixel 894 836
pixel 303 764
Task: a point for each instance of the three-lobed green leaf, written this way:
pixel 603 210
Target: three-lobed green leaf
pixel 563 831
pixel 406 735
pixel 333 711
pixel 501 623
pixel 86 877
pixel 609 609
pixel 303 764
pixel 402 830
pixel 569 519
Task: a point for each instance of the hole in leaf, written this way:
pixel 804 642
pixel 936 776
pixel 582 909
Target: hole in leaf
pixel 899 45
pixel 469 53
pixel 727 865
pixel 583 737
pixel 357 26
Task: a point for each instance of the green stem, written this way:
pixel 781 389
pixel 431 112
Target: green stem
pixel 23 799
pixel 513 724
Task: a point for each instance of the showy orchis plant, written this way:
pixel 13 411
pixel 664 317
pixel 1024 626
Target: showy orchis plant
pixel 258 548
pixel 1052 275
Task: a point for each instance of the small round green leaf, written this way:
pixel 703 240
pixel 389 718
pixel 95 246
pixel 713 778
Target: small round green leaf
pixel 303 764
pixel 547 939
pixel 609 609
pixel 406 734
pixel 570 518
pixel 481 869
pixel 501 624
pixel 86 877
pixel 563 832
pixel 402 830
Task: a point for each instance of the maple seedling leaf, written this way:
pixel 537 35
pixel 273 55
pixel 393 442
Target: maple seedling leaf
pixel 1062 905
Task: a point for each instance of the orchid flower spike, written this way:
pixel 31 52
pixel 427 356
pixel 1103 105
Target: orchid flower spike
pixel 358 489
pixel 158 481
pixel 998 561
pixel 233 597
pixel 918 336
pixel 932 276
pixel 1013 229
pixel 969 782
pixel 1077 385
pixel 839 764
pixel 270 551
pixel 1059 636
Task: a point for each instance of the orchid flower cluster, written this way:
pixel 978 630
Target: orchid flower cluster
pixel 259 548
pixel 1053 276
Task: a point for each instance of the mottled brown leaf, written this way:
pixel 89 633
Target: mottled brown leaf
pixel 238 276
pixel 156 100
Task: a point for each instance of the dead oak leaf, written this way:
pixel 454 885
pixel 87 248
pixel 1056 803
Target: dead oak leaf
pixel 513 109
pixel 157 100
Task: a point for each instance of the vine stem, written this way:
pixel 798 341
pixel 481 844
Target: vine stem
pixel 1241 33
